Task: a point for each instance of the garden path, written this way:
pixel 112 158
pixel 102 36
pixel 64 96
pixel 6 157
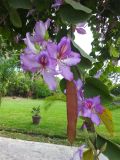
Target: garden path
pixel 13 149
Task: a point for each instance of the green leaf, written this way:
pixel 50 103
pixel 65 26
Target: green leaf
pixel 95 87
pixel 115 6
pixel 103 148
pixel 75 71
pixel 78 6
pixel 106 118
pixel 88 155
pixel 92 4
pixel 15 18
pixel 114 52
pixel 69 15
pixel 112 151
pixel 83 53
pixel 42 5
pixel 84 64
pixel 117 69
pixel 63 85
pixel 25 4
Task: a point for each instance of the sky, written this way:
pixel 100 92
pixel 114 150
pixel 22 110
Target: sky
pixel 84 41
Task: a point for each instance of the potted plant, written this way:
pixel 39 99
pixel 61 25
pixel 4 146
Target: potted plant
pixel 36 115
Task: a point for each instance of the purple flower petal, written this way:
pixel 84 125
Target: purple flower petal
pixel 40 29
pixel 66 72
pixel 96 100
pixel 43 59
pixel 98 74
pixel 95 119
pixel 50 80
pixel 99 108
pixel 81 30
pixel 90 108
pixel 57 3
pixel 52 50
pixel 87 112
pixel 29 62
pixel 78 155
pixel 30 45
pixel 64 47
pixel 63 57
pixel 70 61
pixel 47 23
pixel 74 54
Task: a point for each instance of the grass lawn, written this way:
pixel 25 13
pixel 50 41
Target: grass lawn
pixel 15 116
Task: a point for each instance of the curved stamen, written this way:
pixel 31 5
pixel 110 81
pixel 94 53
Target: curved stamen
pixel 43 60
pixel 89 104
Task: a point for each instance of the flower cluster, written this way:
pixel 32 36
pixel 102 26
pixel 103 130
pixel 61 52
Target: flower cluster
pixel 50 59
pixel 46 57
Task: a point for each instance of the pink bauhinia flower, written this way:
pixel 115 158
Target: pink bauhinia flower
pixel 88 107
pixel 64 57
pixel 42 64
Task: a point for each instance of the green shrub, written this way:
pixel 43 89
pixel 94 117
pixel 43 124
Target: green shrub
pixel 19 86
pixel 40 89
pixel 22 85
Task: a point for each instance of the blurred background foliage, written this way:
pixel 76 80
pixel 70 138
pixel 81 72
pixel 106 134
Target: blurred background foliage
pixel 103 18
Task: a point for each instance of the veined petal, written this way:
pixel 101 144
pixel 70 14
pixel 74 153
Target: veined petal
pixel 30 45
pixel 86 112
pixel 66 72
pixel 47 23
pixel 64 47
pixel 96 100
pixel 70 61
pixel 99 108
pixel 95 119
pixel 49 79
pixel 75 54
pixel 29 62
pixel 28 50
pixel 52 50
pixel 40 30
